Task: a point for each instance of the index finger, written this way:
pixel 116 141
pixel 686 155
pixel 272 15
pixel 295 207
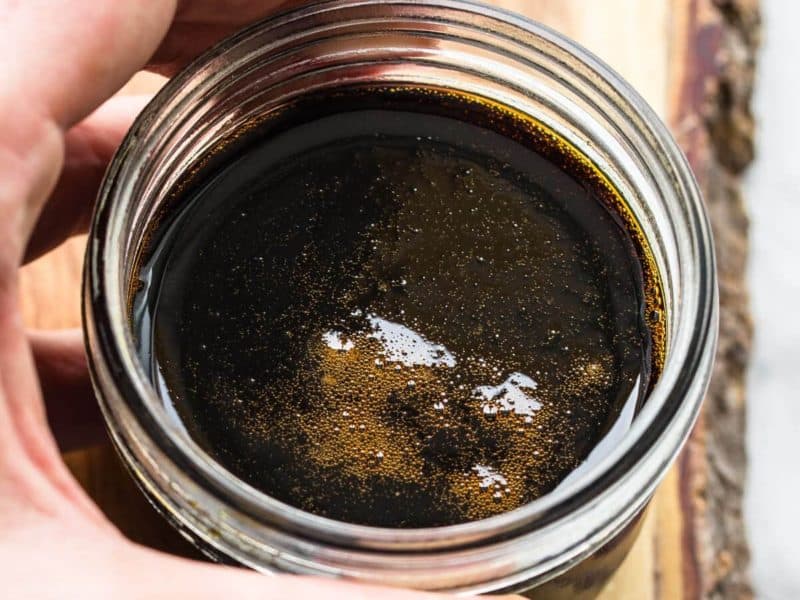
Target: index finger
pixel 64 65
pixel 61 60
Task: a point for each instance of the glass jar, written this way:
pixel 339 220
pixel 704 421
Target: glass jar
pixel 580 530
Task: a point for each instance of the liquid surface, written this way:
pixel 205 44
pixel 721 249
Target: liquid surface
pixel 395 318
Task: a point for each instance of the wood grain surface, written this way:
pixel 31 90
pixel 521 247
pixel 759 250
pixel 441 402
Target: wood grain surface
pixel 693 61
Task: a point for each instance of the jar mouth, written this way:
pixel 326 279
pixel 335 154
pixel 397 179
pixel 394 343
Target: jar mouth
pixel 441 42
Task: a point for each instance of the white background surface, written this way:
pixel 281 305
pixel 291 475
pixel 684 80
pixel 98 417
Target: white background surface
pixel 773 197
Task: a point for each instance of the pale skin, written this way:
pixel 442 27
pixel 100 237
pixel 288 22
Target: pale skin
pixel 61 62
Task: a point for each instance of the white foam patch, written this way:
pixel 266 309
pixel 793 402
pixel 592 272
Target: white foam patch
pixel 403 345
pixel 336 341
pixel 514 394
pixel 489 477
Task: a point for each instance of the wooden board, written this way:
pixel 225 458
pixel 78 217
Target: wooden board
pixel 693 61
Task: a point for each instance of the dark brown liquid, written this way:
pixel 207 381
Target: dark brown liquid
pixel 384 310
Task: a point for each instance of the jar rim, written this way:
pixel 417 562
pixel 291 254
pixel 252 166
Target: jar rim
pixel 686 367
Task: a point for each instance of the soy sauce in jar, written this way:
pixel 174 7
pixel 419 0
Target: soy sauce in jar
pixel 400 308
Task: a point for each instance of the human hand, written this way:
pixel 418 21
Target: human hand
pixel 61 63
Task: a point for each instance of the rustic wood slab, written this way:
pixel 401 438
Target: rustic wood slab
pixel 693 61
